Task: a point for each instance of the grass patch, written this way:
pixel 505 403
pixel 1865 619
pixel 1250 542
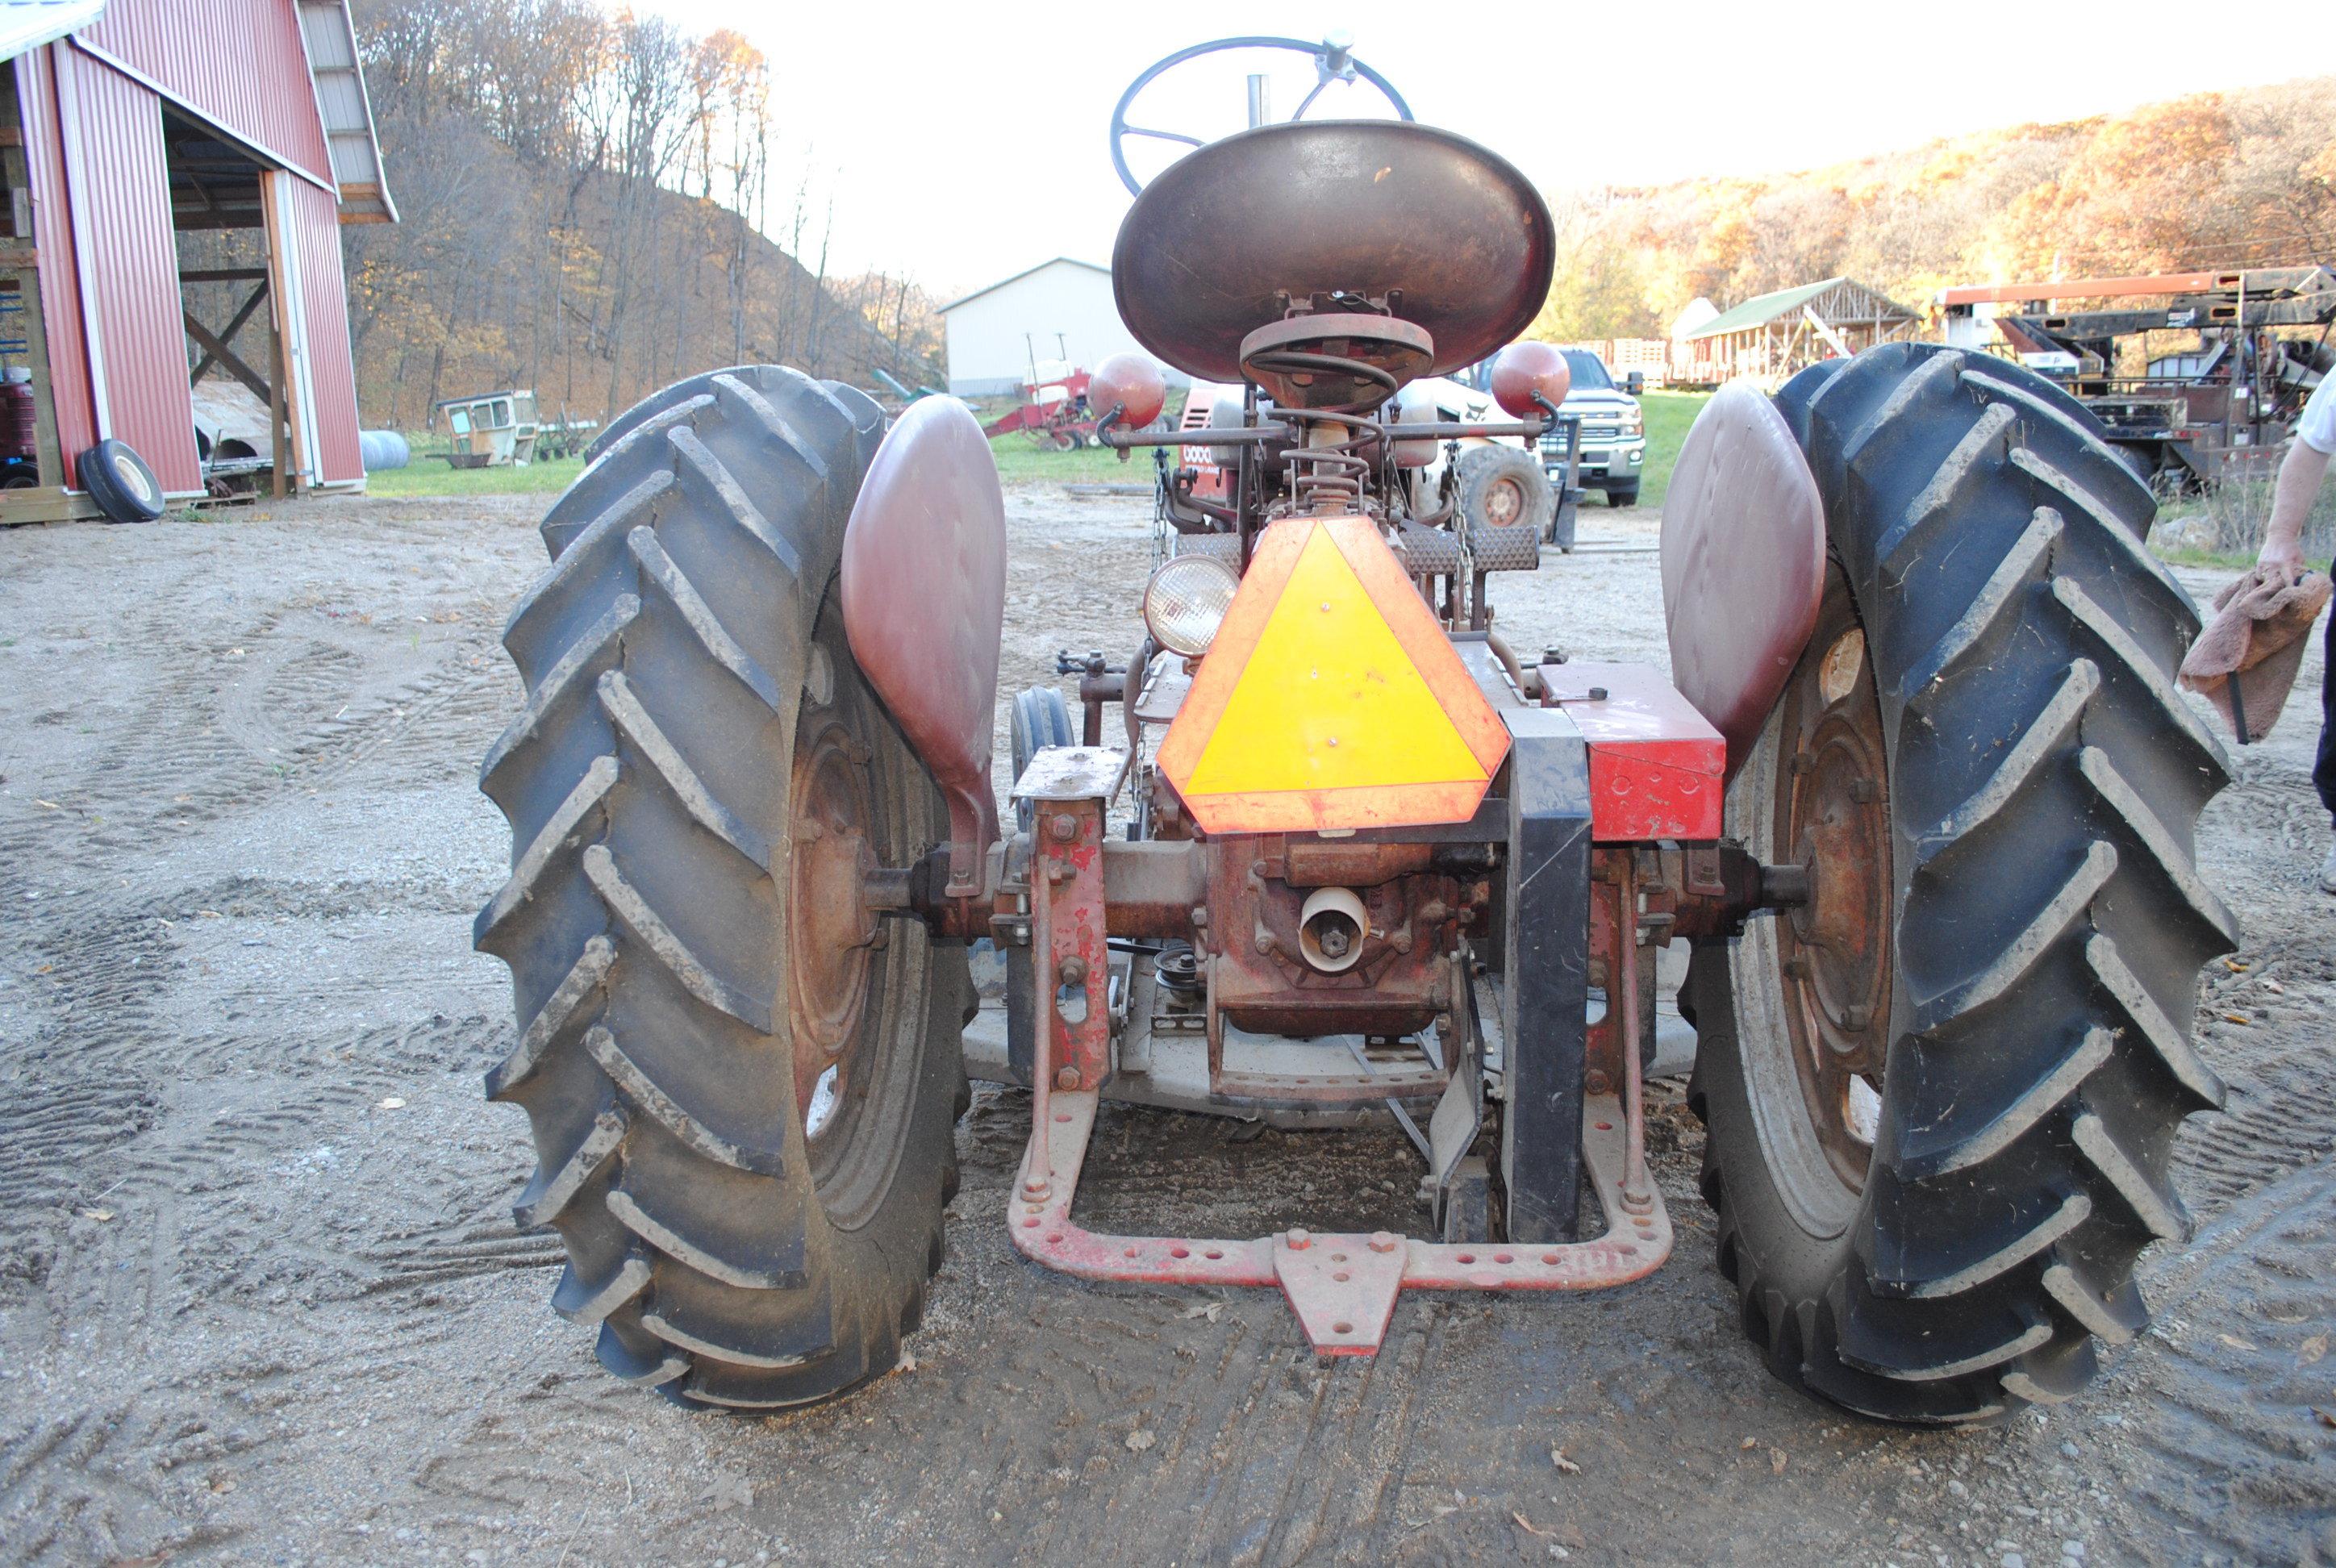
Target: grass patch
pixel 1669 415
pixel 430 475
pixel 2231 560
pixel 1020 461
pixel 2226 526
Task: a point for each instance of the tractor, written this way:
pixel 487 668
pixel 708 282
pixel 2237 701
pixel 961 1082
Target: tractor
pixel 1918 796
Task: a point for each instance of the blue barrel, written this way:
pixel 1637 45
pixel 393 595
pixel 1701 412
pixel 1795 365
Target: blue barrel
pixel 382 449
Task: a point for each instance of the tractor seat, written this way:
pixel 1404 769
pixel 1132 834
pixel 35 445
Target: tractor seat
pixel 1347 220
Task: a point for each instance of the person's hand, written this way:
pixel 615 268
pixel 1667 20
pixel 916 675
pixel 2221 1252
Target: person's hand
pixel 2284 553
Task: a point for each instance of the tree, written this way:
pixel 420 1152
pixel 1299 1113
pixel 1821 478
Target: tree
pixel 587 206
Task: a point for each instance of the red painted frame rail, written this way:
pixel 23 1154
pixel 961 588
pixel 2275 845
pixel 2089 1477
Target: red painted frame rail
pixel 1343 1288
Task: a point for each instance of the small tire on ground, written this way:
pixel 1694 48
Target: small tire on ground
pixel 1620 495
pixel 686 639
pixel 2044 914
pixel 119 481
pixel 1040 718
pixel 1505 487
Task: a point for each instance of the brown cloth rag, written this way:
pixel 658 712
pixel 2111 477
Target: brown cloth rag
pixel 2247 659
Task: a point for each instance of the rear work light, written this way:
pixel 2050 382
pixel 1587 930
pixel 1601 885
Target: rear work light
pixel 1186 601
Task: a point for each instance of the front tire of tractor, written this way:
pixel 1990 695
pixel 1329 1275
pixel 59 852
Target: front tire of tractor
pixel 1941 1095
pixel 741 1086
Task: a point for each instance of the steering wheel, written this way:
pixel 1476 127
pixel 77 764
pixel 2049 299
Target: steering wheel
pixel 1334 61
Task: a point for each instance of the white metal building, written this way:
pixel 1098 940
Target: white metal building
pixel 1057 310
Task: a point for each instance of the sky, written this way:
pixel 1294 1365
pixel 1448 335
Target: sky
pixel 958 143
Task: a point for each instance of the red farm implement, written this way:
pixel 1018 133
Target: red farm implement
pixel 1054 411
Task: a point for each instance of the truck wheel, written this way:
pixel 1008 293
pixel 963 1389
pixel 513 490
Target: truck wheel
pixel 1621 495
pixel 119 481
pixel 741 1087
pixel 1505 487
pixel 1942 1095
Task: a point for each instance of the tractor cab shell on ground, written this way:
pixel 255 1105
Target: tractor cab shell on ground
pixel 490 430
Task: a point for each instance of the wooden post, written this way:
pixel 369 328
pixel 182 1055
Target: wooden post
pixel 276 435
pixel 50 454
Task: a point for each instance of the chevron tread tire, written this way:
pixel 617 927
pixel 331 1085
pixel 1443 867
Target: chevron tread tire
pixel 2046 921
pixel 1531 500
pixel 686 635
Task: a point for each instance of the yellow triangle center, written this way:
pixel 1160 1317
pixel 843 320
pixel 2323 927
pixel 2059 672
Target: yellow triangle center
pixel 1329 699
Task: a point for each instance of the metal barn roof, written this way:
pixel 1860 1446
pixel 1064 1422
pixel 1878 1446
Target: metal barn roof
pixel 348 112
pixel 994 288
pixel 29 23
pixel 1763 308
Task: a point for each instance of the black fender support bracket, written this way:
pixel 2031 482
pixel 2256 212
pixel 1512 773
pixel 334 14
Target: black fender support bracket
pixel 1545 970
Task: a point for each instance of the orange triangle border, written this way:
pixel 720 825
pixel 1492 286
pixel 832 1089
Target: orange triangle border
pixel 1422 640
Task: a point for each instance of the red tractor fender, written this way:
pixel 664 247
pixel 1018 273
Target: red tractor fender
pixel 1743 562
pixel 924 604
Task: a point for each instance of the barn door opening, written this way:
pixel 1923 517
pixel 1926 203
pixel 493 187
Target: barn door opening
pixel 246 431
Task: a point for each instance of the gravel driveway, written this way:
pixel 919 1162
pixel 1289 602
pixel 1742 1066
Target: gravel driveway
pixel 260 1297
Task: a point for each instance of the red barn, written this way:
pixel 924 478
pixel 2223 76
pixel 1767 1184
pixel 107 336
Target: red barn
pixel 138 125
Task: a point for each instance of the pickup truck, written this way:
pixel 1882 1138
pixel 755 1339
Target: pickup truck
pixel 1613 430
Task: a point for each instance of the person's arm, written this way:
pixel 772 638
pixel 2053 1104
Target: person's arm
pixel 2301 473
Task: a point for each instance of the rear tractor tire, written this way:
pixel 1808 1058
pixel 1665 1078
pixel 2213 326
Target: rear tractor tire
pixel 742 1087
pixel 1941 1095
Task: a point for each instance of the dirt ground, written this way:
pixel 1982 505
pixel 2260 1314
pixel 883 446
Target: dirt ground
pixel 260 1297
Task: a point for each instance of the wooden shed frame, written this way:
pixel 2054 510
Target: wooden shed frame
pixel 1771 336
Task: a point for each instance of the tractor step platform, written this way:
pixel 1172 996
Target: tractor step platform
pixel 1342 1287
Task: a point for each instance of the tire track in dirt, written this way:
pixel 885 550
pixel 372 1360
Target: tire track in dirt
pixel 2262 1027
pixel 116 1482
pixel 2280 1117
pixel 50 1135
pixel 280 691
pixel 243 1181
pixel 235 1182
pixel 2232 1397
pixel 233 722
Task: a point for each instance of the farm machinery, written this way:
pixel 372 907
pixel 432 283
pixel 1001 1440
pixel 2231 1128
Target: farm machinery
pixel 1053 409
pixel 2221 408
pixel 1917 792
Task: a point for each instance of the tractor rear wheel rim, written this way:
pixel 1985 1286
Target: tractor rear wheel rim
pixel 1815 791
pixel 1833 817
pixel 832 933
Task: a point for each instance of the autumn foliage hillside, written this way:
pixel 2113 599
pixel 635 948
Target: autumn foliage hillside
pixel 2243 177
pixel 589 210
